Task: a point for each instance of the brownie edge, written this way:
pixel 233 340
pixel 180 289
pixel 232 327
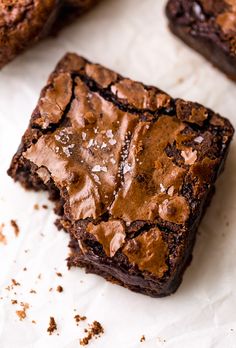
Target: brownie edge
pixel 209 27
pixel 130 169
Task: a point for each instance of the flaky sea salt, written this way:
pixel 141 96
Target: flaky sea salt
pixel 90 143
pixel 67 149
pixel 112 141
pixel 162 188
pixel 199 139
pixel 109 133
pixel 84 135
pixel 62 137
pixel 98 168
pixel 190 156
pixel 126 168
pixel 112 160
pixel 96 178
pixel 103 145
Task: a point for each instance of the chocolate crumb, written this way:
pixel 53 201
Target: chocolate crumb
pixel 58 274
pixel 44 206
pixel 15 283
pixel 59 288
pixel 33 322
pixel 50 290
pixel 39 276
pixel 3 239
pixel 36 206
pixel 52 326
pixel 15 227
pixel 22 313
pixel 13 302
pixel 79 318
pixel 142 339
pixel 95 330
pixel 24 269
pixel 32 291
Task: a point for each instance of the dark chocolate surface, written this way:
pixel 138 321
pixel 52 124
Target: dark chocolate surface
pixel 209 27
pixel 130 168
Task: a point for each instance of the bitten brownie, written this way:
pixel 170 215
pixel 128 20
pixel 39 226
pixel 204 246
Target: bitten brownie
pixel 24 22
pixel 209 27
pixel 131 171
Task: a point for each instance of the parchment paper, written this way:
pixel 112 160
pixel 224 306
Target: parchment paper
pixel 131 37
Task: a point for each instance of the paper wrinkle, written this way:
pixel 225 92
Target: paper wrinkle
pixel 202 312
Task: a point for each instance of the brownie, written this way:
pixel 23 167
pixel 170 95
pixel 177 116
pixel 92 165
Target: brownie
pixel 208 26
pixel 24 22
pixel 131 171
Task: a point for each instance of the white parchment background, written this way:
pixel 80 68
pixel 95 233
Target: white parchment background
pixel 131 37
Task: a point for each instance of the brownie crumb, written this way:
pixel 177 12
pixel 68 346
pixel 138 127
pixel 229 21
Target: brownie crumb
pixel 50 290
pixel 13 302
pixel 3 239
pixel 33 322
pixel 79 318
pixel 59 288
pixel 142 339
pixel 39 276
pixel 24 269
pixel 15 283
pixel 36 207
pixel 52 326
pixel 15 227
pixel 32 291
pixel 44 206
pixel 95 330
pixel 58 274
pixel 22 313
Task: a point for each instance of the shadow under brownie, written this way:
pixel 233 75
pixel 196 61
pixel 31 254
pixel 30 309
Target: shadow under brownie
pixel 209 27
pixel 131 171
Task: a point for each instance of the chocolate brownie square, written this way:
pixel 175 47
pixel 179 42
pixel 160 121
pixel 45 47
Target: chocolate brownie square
pixel 209 27
pixel 24 22
pixel 131 171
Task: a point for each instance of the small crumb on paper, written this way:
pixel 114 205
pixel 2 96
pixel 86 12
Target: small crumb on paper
pixel 142 339
pixel 78 318
pixel 15 227
pixel 52 326
pixel 59 288
pixel 94 331
pixel 3 239
pixel 22 313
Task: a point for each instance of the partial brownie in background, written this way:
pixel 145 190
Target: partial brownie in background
pixel 131 171
pixel 209 27
pixel 24 22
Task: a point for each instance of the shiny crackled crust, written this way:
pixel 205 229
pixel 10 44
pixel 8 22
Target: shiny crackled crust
pixel 130 168
pixel 209 27
pixel 24 22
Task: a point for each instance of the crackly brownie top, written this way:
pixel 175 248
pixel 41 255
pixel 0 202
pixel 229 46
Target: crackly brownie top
pixel 21 23
pixel 215 18
pixel 16 15
pixel 130 152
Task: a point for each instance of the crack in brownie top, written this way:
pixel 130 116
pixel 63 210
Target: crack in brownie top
pixel 130 162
